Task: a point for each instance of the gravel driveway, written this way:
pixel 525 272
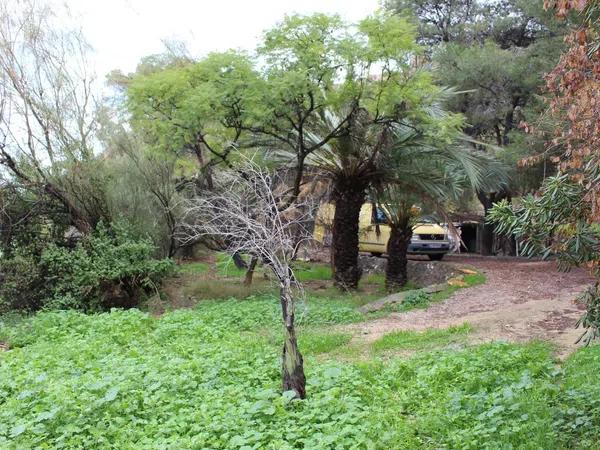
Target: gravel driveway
pixel 521 300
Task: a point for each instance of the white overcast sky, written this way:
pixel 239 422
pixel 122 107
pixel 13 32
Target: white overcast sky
pixel 123 31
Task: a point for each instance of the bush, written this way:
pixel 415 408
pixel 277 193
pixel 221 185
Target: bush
pixel 22 285
pixel 107 269
pixel 416 298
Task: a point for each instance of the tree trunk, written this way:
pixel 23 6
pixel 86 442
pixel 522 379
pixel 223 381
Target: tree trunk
pixel 292 366
pixel 486 230
pixel 395 271
pixel 250 271
pixel 486 239
pixel 349 196
pixel 78 219
pixel 239 261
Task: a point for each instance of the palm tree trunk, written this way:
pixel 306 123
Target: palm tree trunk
pixel 292 366
pixel 395 271
pixel 349 196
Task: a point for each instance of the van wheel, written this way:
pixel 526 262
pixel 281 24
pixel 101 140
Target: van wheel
pixel 376 254
pixel 437 257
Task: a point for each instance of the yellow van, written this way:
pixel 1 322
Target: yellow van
pixel 428 238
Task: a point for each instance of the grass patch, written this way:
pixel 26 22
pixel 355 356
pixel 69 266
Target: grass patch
pixel 193 268
pixel 308 271
pixel 415 340
pixel 227 269
pixel 316 342
pixel 210 288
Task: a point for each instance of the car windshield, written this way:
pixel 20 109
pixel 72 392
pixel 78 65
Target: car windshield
pixel 379 216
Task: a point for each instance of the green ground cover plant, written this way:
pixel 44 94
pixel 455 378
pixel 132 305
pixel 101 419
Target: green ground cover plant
pixel 422 340
pixel 209 378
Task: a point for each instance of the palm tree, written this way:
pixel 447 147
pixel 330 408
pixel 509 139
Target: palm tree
pixel 352 163
pixel 403 161
pixel 416 151
pixel 429 175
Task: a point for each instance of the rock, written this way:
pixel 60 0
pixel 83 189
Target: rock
pixel 421 273
pixel 398 297
pixel 468 271
pixel 435 288
pixel 372 264
pixel 383 302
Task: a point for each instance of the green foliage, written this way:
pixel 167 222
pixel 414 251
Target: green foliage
pixel 553 223
pixel 227 268
pixel 173 106
pixel 321 341
pixel 507 22
pixel 194 268
pixel 22 284
pixel 418 298
pixel 310 271
pixel 309 64
pixel 496 53
pixel 209 378
pixel 143 189
pixel 578 419
pixel 106 269
pixel 415 340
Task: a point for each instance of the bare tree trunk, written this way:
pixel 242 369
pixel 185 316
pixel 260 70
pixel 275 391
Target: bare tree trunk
pixel 395 272
pixel 292 367
pixel 77 217
pixel 250 271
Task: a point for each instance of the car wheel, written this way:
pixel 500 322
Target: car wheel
pixel 437 257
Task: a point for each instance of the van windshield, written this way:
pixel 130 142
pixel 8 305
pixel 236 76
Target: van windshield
pixel 379 216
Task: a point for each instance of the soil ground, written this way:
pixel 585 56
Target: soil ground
pixel 521 300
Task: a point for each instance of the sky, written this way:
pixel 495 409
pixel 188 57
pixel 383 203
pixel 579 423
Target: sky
pixel 123 31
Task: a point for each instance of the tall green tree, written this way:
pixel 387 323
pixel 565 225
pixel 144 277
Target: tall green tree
pixel 306 66
pixel 497 52
pixel 562 219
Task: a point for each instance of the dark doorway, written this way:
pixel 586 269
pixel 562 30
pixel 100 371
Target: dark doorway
pixel 469 237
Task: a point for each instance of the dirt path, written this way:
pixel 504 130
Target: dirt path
pixel 522 300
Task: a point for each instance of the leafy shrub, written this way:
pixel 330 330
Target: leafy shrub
pixel 22 281
pixel 416 298
pixel 577 418
pixel 107 269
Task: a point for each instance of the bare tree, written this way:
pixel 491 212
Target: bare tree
pixel 47 116
pixel 244 212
